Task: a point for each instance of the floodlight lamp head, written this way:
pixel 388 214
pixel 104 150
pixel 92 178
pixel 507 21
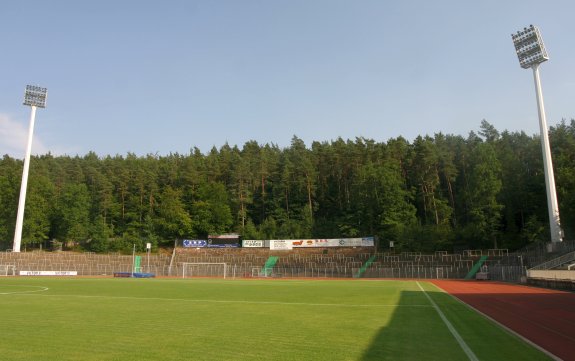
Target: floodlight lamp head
pixel 529 47
pixel 35 96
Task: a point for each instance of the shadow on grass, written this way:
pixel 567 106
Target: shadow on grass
pixel 546 318
pixel 417 332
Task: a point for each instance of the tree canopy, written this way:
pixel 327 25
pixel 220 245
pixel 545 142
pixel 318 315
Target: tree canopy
pixel 445 192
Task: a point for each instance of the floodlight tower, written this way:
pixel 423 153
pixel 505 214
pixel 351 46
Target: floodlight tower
pixel 35 97
pixel 531 53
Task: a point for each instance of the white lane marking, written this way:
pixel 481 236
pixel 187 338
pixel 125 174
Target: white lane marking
pixel 452 329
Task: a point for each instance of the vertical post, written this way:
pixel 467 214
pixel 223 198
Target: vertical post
pixel 24 185
pixel 133 259
pixel 531 52
pixel 148 249
pixel 552 204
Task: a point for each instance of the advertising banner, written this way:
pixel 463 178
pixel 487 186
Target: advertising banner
pixel 309 243
pixel 224 240
pixel 48 273
pixel 248 243
pixel 194 243
pixel 341 242
pixel 333 242
pixel 281 244
pixel 224 245
pixel 368 242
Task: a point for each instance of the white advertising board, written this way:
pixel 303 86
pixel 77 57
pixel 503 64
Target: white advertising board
pixel 250 243
pixel 334 242
pixel 287 244
pixel 281 244
pixel 48 273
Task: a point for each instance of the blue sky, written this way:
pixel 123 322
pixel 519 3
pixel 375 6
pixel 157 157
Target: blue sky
pixel 159 77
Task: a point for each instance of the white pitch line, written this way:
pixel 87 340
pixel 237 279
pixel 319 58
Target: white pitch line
pixel 452 329
pixel 510 331
pixel 237 302
pixel 41 289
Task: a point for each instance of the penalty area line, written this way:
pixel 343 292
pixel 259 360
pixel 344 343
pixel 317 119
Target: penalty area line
pixel 460 341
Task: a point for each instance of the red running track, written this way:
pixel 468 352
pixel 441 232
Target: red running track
pixel 544 317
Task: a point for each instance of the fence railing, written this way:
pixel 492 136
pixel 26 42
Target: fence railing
pixel 539 253
pixel 556 262
pixel 243 264
pixel 504 273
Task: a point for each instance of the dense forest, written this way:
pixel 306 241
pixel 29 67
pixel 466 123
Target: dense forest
pixel 445 192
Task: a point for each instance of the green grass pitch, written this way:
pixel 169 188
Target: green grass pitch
pixel 100 319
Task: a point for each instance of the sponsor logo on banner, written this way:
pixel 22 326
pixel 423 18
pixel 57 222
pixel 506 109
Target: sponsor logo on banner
pixel 310 243
pixel 224 245
pixel 368 242
pixel 334 242
pixel 224 241
pixel 48 273
pixel 252 243
pixel 195 243
pixel 354 242
pixel 280 244
pixel 287 244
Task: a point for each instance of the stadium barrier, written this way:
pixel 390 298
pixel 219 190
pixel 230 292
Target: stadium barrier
pixel 343 262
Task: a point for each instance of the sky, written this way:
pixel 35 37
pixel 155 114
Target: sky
pixel 160 77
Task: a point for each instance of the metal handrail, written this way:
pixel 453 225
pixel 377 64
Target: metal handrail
pixel 555 262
